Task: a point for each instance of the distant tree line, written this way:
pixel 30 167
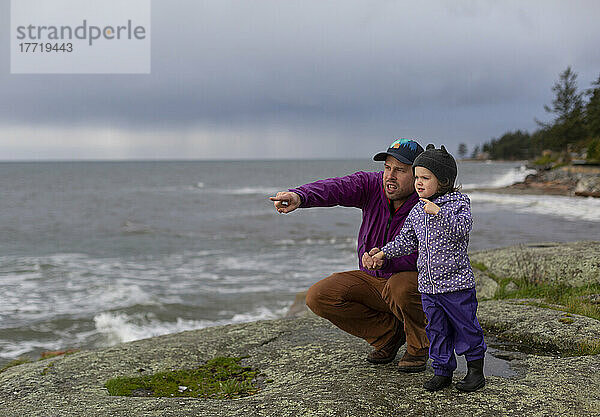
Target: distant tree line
pixel 575 125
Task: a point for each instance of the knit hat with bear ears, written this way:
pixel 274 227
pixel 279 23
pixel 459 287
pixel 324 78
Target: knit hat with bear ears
pixel 438 161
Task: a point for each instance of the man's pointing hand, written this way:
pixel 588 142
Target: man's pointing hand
pixel 286 201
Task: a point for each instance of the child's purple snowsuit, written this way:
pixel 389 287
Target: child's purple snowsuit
pixel 452 325
pixel 446 280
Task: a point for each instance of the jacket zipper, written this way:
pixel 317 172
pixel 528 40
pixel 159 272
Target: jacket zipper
pixel 385 237
pixel 387 229
pixel 427 251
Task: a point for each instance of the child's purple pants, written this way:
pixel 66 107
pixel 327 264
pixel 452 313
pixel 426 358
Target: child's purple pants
pixel 452 325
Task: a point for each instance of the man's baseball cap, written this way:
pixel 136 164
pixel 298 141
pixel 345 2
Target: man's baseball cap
pixel 404 150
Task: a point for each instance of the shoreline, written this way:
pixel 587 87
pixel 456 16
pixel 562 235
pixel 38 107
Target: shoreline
pixel 569 181
pixel 309 367
pixel 516 189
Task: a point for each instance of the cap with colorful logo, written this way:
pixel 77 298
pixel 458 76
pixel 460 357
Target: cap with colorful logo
pixel 404 150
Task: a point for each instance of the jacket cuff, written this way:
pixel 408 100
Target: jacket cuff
pixel 300 194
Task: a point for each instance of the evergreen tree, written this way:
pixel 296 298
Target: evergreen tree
pixel 592 110
pixel 511 145
pixel 462 150
pixel 567 101
pixel 575 125
pixel 568 126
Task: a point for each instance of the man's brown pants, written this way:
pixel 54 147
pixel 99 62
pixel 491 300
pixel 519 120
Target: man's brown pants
pixel 372 308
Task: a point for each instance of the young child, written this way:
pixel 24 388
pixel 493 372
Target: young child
pixel 438 226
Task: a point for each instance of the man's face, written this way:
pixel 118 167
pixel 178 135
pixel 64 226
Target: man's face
pixel 398 180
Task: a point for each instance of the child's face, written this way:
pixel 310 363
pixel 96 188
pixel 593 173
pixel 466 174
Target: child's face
pixel 426 184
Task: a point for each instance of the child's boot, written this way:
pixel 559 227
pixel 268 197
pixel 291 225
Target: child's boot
pixel 437 383
pixel 474 379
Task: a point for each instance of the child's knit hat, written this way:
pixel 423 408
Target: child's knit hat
pixel 438 161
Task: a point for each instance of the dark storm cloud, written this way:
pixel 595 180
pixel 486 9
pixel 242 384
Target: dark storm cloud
pixel 478 67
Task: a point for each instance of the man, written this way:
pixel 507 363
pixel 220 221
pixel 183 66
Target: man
pixel 384 306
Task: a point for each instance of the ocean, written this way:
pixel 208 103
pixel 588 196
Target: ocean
pixel 97 253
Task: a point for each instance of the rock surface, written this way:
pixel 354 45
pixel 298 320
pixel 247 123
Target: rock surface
pixel 572 180
pixel 573 263
pixel 310 368
pixel 578 180
pixel 316 369
pixel 536 328
pixel 484 285
pixel 588 187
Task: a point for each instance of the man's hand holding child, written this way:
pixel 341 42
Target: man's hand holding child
pixel 373 259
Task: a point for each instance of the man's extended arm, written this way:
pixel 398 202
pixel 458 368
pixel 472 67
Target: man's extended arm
pixel 348 191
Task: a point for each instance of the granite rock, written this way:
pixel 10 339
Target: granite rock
pixel 315 369
pixel 572 263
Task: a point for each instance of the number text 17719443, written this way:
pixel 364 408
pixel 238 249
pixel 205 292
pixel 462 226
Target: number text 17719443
pixel 33 47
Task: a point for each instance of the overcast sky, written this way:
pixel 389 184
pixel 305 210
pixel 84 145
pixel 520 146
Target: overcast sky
pixel 306 79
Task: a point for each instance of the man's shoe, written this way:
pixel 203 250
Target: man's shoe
pixel 410 363
pixel 474 379
pixel 437 383
pixel 388 353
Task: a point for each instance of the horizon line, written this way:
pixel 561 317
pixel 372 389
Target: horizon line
pixel 177 159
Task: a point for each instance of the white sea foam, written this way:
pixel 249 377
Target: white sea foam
pixel 260 313
pixel 10 350
pixel 257 190
pixel 120 327
pixel 243 262
pixel 512 176
pixel 343 242
pixel 133 227
pixel 571 208
pixel 245 289
pixel 122 294
pixel 67 283
pixel 187 188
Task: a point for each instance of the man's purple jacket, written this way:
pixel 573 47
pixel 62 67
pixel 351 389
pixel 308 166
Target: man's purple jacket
pixel 380 225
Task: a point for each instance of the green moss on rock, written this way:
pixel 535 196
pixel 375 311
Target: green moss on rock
pixel 16 362
pixel 220 377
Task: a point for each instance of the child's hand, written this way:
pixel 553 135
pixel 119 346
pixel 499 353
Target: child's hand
pixel 373 259
pixel 430 208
